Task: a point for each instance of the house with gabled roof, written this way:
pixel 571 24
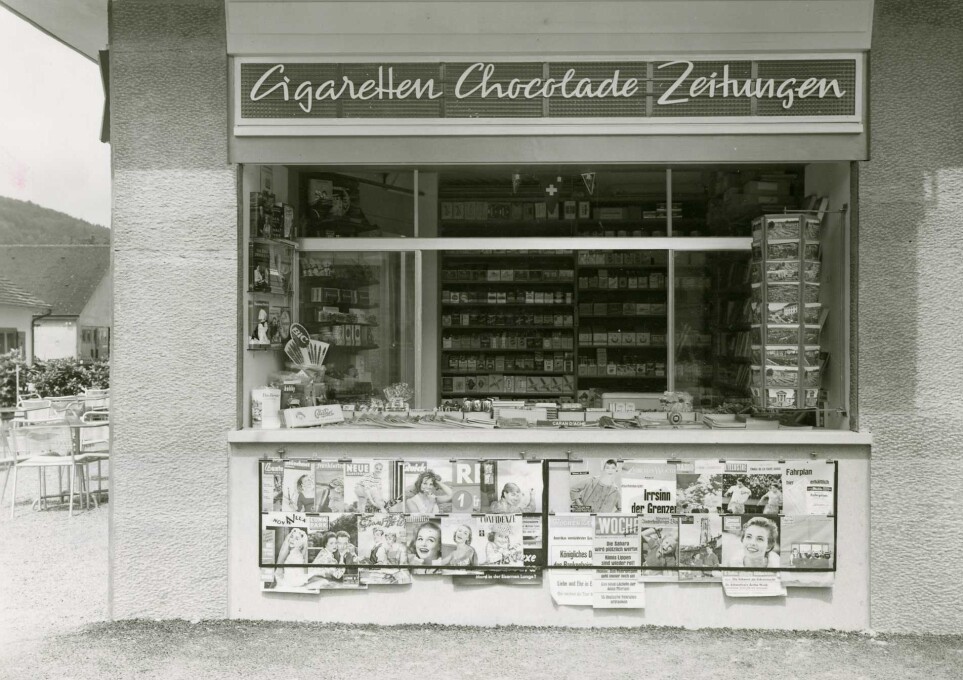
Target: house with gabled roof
pixel 75 286
pixel 18 309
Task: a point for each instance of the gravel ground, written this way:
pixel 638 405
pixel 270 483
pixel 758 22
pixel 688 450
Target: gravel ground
pixel 53 601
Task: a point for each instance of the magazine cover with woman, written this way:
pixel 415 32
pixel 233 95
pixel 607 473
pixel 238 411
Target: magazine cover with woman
pixel 511 486
pixel 427 487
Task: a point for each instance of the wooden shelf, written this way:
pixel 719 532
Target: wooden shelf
pixel 489 350
pixel 488 393
pixel 622 290
pixel 557 305
pixel 511 327
pixel 513 372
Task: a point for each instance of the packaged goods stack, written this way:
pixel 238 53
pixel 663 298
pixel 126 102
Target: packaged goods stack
pixel 785 311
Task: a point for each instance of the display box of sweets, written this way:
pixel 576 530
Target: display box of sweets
pixel 785 313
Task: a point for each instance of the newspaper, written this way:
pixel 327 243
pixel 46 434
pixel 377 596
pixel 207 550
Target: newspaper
pixel 616 589
pixel 808 487
pixel 700 547
pixel 648 487
pixel 616 541
pixel 752 486
pixel 571 587
pixel 808 542
pixel 570 539
pixel 752 584
pixel 660 547
pixel 699 486
pixel 328 486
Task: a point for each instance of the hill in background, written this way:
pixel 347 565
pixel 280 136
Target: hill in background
pixel 25 223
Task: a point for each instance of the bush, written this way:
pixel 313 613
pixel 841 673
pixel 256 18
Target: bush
pixel 67 377
pixel 8 376
pixel 54 378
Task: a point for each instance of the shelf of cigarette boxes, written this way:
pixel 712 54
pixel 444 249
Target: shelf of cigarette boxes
pixel 520 425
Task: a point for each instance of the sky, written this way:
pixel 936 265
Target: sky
pixel 51 106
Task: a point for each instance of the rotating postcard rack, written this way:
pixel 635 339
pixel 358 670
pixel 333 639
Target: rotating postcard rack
pixel 786 312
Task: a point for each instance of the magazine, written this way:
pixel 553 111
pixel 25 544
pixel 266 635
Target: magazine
pixel 383 541
pixel 751 541
pixel 511 486
pixel 570 539
pixel 424 543
pixel 648 487
pixel 616 542
pixel 371 485
pixel 752 486
pixel 504 540
pixel 426 487
pixel 466 486
pixel 333 551
pixel 808 542
pixel 700 547
pixel 660 547
pixel 272 485
pixel 462 538
pixel 699 486
pixel 298 486
pixel 260 263
pixel 259 316
pixel 595 485
pixel 328 486
pixel 284 546
pixel 808 487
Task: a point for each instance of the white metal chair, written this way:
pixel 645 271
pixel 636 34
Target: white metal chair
pixel 44 446
pixel 94 447
pixel 96 399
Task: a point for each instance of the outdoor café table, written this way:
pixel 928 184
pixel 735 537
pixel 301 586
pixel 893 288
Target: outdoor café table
pixel 77 426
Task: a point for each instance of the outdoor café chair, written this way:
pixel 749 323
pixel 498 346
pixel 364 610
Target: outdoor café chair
pixel 44 446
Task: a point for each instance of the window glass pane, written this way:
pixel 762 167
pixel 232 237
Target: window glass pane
pixel 358 308
pixel 527 202
pixel 365 204
pixel 722 201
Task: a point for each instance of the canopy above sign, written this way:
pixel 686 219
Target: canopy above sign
pixel 731 95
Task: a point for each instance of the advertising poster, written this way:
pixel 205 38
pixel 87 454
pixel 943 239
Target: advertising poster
pixel 328 486
pixel 595 485
pixel 371 486
pixel 298 487
pixel 272 485
pixel 808 487
pixel 699 486
pixel 511 486
pixel 751 541
pixel 753 486
pixel 648 488
pixel 383 543
pixel 808 542
pixel 427 487
pixel 570 539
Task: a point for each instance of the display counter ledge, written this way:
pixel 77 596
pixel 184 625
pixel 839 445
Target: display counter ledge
pixel 572 436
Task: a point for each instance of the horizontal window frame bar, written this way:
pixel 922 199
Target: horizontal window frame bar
pixel 678 243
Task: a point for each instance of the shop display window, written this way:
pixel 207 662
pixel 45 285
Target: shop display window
pixel 637 291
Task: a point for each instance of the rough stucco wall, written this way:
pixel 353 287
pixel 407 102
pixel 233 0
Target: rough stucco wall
pixel 911 303
pixel 175 309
